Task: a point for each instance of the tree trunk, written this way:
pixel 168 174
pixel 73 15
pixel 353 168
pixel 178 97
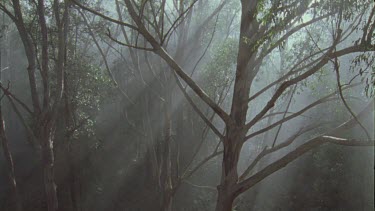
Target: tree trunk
pixel 225 200
pixel 167 178
pixel 7 154
pixel 229 178
pixel 50 186
pixel 48 168
pixel 9 166
pixel 246 71
pixel 167 202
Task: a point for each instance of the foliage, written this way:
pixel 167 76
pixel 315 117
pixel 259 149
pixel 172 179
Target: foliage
pixel 88 88
pixel 219 71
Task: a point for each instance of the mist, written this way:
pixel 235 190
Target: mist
pixel 177 105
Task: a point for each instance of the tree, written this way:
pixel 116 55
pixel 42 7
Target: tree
pixel 264 27
pixel 165 154
pixel 44 113
pixel 4 139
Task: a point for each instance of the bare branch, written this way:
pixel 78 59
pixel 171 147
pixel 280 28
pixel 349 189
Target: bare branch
pixel 279 113
pixel 293 155
pixel 324 99
pixel 284 115
pixel 303 148
pixel 6 11
pixel 205 50
pixel 104 59
pixel 103 16
pixel 205 132
pixel 159 50
pixel 337 70
pixel 266 151
pixel 200 164
pixel 196 109
pixel 294 70
pixel 126 44
pixel 8 93
pixel 30 133
pixel 200 186
pixel 176 22
pixel 327 57
pixel 291 32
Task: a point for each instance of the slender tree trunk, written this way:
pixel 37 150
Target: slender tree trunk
pixel 167 201
pixel 9 165
pixel 48 168
pixel 50 186
pixel 7 154
pixel 168 181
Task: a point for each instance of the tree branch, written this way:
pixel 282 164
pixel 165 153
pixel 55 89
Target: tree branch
pixel 337 70
pixel 159 50
pixel 173 26
pixel 125 44
pixel 302 149
pixel 6 11
pixel 327 57
pixel 8 93
pixel 266 151
pixel 103 57
pixel 293 155
pixel 196 109
pixel 200 164
pixel 324 99
pixel 103 16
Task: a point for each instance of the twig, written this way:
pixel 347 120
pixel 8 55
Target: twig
pixel 337 70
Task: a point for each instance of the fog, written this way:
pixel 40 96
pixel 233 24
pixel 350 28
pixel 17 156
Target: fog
pixel 180 105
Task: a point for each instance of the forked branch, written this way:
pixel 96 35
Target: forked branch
pixel 303 148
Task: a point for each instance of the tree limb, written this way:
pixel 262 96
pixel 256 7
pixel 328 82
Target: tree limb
pixel 324 99
pixel 159 50
pixel 103 16
pixel 302 149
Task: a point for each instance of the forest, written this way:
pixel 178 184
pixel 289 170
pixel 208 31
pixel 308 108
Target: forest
pixel 187 105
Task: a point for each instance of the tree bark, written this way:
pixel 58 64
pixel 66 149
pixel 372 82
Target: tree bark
pixel 225 200
pixel 236 130
pixel 167 162
pixel 30 54
pixel 229 178
pixel 9 165
pixel 167 201
pixel 48 168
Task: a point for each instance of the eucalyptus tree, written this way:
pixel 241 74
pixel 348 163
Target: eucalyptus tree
pixel 166 158
pixel 41 58
pixel 264 27
pixel 3 137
